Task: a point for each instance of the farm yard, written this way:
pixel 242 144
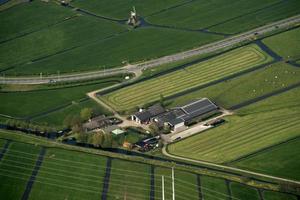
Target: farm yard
pixel 255 127
pixel 56 173
pixel 189 77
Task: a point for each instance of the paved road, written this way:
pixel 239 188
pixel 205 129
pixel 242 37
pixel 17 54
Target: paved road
pixel 137 68
pixel 233 169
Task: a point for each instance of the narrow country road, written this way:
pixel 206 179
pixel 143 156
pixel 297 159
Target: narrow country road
pixel 233 169
pixel 137 68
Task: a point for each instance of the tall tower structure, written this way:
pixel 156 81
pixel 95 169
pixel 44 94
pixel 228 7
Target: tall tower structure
pixel 133 18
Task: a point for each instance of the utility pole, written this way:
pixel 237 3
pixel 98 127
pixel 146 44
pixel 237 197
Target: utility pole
pixel 173 184
pixel 163 187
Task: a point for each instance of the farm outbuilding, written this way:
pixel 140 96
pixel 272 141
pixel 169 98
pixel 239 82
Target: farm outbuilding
pixel 145 116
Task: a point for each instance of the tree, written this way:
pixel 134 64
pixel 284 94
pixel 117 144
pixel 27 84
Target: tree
pixel 82 137
pixel 86 114
pixel 67 121
pixel 97 139
pixel 162 100
pixel 107 143
pixel 154 128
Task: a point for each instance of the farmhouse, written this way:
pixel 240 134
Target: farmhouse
pixel 177 118
pixel 145 116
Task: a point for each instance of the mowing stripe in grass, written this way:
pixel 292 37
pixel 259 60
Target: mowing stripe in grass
pixel 227 182
pixel 106 179
pixel 263 97
pixel 262 150
pixel 199 187
pixel 34 174
pixel 152 186
pixel 4 149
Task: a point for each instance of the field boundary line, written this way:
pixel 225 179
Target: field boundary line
pixel 263 97
pixel 227 183
pixel 106 179
pixel 33 176
pixel 4 149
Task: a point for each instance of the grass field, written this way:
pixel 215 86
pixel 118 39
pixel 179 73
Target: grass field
pixel 189 77
pixel 133 46
pixel 277 196
pixel 144 8
pixel 57 117
pixel 23 18
pixel 282 160
pixel 257 126
pixel 246 87
pixel 73 33
pixel 276 11
pixel 228 17
pixel 243 192
pixel 66 174
pixel 16 168
pixel 210 185
pixel 286 44
pixel 26 104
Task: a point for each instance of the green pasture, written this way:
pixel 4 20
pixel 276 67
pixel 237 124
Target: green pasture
pixel 107 9
pixel 286 44
pixel 255 127
pixel 15 169
pixel 26 104
pixel 73 33
pixel 282 161
pixel 277 196
pixel 69 175
pixel 243 192
pixel 213 188
pixel 273 12
pixel 246 87
pixel 226 16
pixel 129 179
pixel 26 18
pixel 66 174
pixel 186 78
pixel 129 47
pixel 57 117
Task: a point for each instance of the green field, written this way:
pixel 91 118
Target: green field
pixel 286 44
pixel 144 8
pixel 282 160
pixel 78 31
pixel 30 103
pixel 278 196
pixel 24 18
pixel 66 174
pixel 226 16
pixel 16 168
pixel 257 126
pixel 189 77
pixel 57 117
pixel 246 87
pixel 243 192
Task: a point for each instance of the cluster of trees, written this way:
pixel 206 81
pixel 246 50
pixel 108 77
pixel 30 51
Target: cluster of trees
pixel 21 124
pixel 97 139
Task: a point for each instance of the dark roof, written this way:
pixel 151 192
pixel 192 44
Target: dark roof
pixel 199 107
pixel 156 110
pixel 150 112
pixel 143 116
pixel 175 121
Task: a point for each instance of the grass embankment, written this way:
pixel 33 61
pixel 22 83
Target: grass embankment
pixel 246 87
pixel 198 74
pixel 286 44
pixel 257 126
pixel 143 8
pixel 244 192
pixel 32 103
pixel 220 17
